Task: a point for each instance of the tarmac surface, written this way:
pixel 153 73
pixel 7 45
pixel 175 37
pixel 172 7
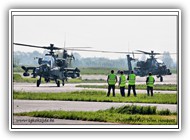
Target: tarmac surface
pixel 41 105
pixel 52 88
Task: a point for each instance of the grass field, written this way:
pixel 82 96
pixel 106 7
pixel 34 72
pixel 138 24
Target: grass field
pixel 96 96
pixel 18 78
pixel 90 70
pixel 97 70
pixel 137 115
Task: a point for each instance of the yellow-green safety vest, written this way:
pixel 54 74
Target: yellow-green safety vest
pixel 150 82
pixel 111 79
pixel 123 81
pixel 132 79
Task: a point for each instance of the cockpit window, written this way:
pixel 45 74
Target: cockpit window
pixel 159 61
pixel 48 60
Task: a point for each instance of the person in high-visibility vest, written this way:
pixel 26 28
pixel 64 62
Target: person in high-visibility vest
pixel 131 83
pixel 122 83
pixel 150 83
pixel 111 80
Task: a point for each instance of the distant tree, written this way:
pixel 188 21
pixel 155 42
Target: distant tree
pixel 77 56
pixel 16 61
pixel 143 57
pixel 167 59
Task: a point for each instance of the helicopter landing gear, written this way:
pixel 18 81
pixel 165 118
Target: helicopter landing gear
pixel 38 82
pixel 63 82
pixel 161 78
pixel 58 83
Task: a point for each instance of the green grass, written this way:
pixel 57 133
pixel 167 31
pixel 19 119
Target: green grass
pixel 170 87
pixel 89 70
pixel 17 69
pixel 79 80
pixel 96 96
pixel 173 71
pixel 18 78
pixel 97 70
pixel 138 115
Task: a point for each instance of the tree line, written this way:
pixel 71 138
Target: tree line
pixel 30 59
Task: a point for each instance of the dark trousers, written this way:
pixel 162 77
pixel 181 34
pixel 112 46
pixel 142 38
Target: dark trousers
pixel 109 89
pixel 150 89
pixel 122 91
pixel 129 90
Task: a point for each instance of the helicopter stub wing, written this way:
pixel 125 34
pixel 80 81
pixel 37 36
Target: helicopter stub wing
pixel 27 68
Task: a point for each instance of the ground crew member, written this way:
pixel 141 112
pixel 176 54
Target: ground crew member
pixel 111 80
pixel 150 83
pixel 131 77
pixel 122 83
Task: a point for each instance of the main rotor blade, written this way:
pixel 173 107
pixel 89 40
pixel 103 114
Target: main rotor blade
pixel 30 45
pixel 143 52
pixel 100 51
pixel 51 47
pixel 150 53
pixel 172 53
pixel 77 47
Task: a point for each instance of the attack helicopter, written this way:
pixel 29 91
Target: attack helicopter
pixel 142 68
pixel 152 64
pixel 51 67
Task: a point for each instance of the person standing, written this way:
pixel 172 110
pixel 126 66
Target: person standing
pixel 122 83
pixel 131 84
pixel 111 80
pixel 150 83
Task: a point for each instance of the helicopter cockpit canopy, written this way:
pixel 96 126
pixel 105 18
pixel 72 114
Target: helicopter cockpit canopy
pixel 160 61
pixel 47 60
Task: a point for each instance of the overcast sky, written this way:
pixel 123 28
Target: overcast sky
pixel 111 33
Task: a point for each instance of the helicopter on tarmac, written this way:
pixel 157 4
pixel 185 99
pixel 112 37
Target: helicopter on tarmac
pixel 51 67
pixel 152 64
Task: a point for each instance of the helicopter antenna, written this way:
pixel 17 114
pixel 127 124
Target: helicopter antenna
pixel 128 46
pixel 65 41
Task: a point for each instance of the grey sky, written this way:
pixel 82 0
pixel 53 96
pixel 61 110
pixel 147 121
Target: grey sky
pixel 111 33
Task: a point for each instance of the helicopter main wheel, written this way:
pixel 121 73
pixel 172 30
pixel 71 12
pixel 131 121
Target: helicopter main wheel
pixel 161 79
pixel 58 83
pixel 38 82
pixel 63 83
